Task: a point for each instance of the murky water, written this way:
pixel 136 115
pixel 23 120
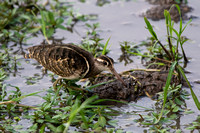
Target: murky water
pixel 121 22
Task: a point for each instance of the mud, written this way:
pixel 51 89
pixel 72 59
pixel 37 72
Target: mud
pixel 116 90
pixel 138 83
pixel 157 13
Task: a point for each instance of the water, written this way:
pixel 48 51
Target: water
pixel 122 22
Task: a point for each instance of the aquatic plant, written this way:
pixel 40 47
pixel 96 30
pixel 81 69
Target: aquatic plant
pixel 175 107
pixel 92 41
pixel 195 125
pixel 172 52
pixel 21 20
pixel 81 112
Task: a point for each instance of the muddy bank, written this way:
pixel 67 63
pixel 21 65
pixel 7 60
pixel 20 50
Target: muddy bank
pixel 138 83
pixel 157 12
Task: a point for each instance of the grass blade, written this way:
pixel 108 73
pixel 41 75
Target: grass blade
pixel 43 24
pixel 169 31
pixel 186 25
pixel 104 49
pixel 196 101
pixel 150 28
pixel 21 97
pixel 96 85
pixel 181 21
pixel 76 109
pixel 167 86
pixel 140 54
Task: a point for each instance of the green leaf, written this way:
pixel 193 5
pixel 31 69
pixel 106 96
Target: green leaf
pixel 92 118
pixel 166 87
pixel 186 25
pixel 110 130
pixel 34 30
pixel 113 123
pixel 178 131
pixel 76 108
pixel 196 101
pixel 104 49
pixel 43 24
pixel 102 121
pixel 24 96
pixel 140 54
pixel 14 11
pixel 61 27
pixel 51 17
pixel 34 127
pixel 26 17
pixel 47 106
pixel 59 21
pixel 96 85
pixel 181 22
pixel 166 14
pixel 69 21
pixel 175 109
pixel 173 116
pixel 191 128
pixel 178 101
pixel 175 31
pixel 52 127
pixel 188 112
pixel 150 28
pixel 50 32
pixel 119 131
pixel 42 128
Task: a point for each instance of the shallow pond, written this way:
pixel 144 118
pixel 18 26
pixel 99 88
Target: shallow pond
pixel 122 22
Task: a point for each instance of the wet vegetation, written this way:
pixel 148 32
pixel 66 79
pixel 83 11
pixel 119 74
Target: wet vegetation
pixel 82 106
